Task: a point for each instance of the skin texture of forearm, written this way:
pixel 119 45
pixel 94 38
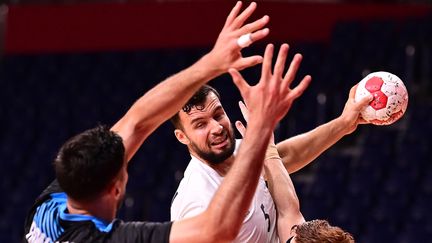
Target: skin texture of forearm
pixel 285 197
pixel 222 220
pixel 298 151
pixel 160 103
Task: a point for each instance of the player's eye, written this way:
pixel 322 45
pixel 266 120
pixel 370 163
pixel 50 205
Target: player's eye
pixel 218 117
pixel 199 125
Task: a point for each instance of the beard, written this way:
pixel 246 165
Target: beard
pixel 217 158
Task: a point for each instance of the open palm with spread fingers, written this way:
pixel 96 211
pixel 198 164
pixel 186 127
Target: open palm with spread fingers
pixel 226 52
pixel 272 97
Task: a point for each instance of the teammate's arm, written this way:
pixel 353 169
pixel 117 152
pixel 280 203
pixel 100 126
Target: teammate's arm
pixel 284 195
pixel 298 151
pixel 164 100
pixel 222 220
pixel 280 186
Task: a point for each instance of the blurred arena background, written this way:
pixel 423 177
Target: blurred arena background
pixel 69 65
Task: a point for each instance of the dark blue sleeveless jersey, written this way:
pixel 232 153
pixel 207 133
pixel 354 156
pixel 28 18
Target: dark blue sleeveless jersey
pixel 48 221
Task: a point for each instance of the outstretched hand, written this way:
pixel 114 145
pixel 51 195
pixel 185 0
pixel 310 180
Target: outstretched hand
pixel 241 128
pixel 226 52
pixel 272 97
pixel 239 125
pixel 351 112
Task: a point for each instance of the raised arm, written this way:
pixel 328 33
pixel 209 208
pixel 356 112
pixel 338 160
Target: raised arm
pixel 280 186
pixel 283 193
pixel 298 151
pixel 223 218
pixel 164 100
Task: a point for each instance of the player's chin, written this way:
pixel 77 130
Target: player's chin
pixel 223 149
pixel 220 149
pixel 220 146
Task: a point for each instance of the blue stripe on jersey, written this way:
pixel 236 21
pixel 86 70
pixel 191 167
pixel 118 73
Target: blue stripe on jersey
pixel 101 225
pixel 47 214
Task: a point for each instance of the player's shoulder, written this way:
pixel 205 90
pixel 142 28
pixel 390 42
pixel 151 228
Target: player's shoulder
pixel 199 176
pixel 191 198
pixel 195 190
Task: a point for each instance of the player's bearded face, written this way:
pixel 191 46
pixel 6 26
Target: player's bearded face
pixel 218 147
pixel 209 132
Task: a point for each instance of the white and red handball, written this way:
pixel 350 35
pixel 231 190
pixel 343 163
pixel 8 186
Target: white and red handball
pixel 390 97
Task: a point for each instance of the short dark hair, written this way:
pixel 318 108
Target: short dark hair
pixel 88 162
pixel 321 231
pixel 197 100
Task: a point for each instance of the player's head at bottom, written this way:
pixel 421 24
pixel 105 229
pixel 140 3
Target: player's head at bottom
pixel 319 231
pixel 91 167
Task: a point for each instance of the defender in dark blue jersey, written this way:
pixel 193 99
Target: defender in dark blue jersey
pixel 50 221
pixel 91 168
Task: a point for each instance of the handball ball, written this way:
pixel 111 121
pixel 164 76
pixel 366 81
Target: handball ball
pixel 390 97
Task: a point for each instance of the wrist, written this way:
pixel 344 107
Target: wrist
pixel 341 126
pixel 271 152
pixel 211 65
pixel 259 130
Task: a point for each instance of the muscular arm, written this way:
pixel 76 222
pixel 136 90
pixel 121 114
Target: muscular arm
pixel 167 98
pixel 280 186
pixel 298 151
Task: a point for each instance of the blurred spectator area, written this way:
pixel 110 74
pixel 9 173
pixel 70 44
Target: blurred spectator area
pixel 67 68
pixel 21 2
pixel 142 25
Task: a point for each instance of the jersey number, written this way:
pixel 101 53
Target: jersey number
pixel 266 216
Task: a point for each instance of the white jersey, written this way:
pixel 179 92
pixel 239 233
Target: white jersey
pixel 197 188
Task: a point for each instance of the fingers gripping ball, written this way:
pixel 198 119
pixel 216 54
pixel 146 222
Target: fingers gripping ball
pixel 390 97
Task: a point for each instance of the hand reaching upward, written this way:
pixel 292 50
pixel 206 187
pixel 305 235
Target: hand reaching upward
pixel 272 97
pixel 226 52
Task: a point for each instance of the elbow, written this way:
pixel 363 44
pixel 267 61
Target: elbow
pixel 138 124
pixel 127 125
pixel 140 129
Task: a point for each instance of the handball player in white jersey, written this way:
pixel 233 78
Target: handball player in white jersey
pixel 204 127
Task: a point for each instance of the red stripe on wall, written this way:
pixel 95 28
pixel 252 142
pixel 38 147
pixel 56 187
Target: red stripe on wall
pixel 98 27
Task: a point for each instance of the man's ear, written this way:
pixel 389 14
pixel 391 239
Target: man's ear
pixel 181 136
pixel 114 189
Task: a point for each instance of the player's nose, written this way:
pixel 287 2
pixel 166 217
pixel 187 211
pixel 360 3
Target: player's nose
pixel 216 127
